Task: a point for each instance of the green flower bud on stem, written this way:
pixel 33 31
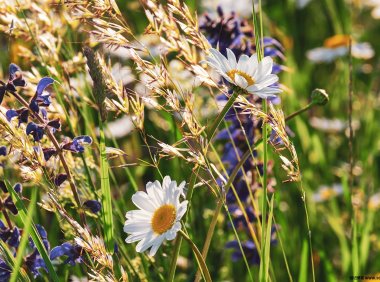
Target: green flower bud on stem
pixel 319 97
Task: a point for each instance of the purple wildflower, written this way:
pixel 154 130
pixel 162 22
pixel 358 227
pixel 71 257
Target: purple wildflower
pixel 37 131
pixel 77 145
pixel 93 205
pixel 72 251
pixel 41 97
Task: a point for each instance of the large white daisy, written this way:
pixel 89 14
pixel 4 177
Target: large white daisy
pixel 248 73
pixel 158 217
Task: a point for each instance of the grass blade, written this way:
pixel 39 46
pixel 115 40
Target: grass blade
pixel 24 238
pixel 33 232
pixel 106 192
pixel 304 262
pixel 266 253
pixel 10 260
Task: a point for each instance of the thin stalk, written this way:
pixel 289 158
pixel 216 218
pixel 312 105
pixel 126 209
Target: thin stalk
pixel 106 192
pixel 239 242
pixel 24 238
pixel 210 135
pixel 308 230
pixel 58 148
pixel 222 114
pixel 9 222
pixel 296 113
pixel 231 178
pixel 201 263
pixel 354 209
pixel 207 242
pixel 263 273
pixel 178 241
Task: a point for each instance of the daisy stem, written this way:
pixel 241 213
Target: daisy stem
pixel 263 274
pixel 222 114
pixel 201 262
pixel 178 241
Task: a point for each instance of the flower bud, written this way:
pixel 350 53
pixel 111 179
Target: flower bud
pixel 319 97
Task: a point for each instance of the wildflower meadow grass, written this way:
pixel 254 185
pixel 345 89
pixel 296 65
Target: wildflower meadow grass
pixel 197 140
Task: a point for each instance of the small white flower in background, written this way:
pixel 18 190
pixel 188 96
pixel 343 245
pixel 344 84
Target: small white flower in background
pixel 247 73
pixel 158 217
pixel 326 193
pixel 337 46
pixel 374 202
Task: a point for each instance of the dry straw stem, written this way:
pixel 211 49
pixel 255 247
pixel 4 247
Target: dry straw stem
pixel 19 140
pixel 105 17
pixel 60 154
pixel 280 140
pixel 166 22
pixel 177 27
pixel 93 245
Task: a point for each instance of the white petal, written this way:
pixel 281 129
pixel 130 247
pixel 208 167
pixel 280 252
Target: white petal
pixel 131 227
pixel 214 63
pixel 139 214
pixel 326 54
pixel 231 58
pixel 252 65
pixel 268 92
pixel 145 243
pixel 172 233
pixel 156 244
pixel 166 182
pixel 241 81
pixel 135 237
pixel 181 187
pixel 223 62
pixel 181 210
pixel 227 78
pixel 267 81
pixel 253 88
pixel 362 51
pixel 155 193
pixel 242 64
pixel 143 201
pixel 264 68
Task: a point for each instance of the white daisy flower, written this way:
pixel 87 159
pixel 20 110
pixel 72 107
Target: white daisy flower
pixel 337 46
pixel 158 217
pixel 248 73
pixel 325 193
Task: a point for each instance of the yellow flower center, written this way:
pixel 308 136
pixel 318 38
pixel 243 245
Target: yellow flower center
pixel 337 41
pixel 327 193
pixel 163 218
pixel 248 78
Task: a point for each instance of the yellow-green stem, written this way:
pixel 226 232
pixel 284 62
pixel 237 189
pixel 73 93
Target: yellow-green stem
pixel 178 241
pixel 201 263
pixel 263 273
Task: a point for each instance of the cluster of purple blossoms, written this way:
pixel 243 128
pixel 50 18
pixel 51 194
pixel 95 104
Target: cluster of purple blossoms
pixel 37 108
pixel 34 114
pixel 11 235
pixel 228 31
